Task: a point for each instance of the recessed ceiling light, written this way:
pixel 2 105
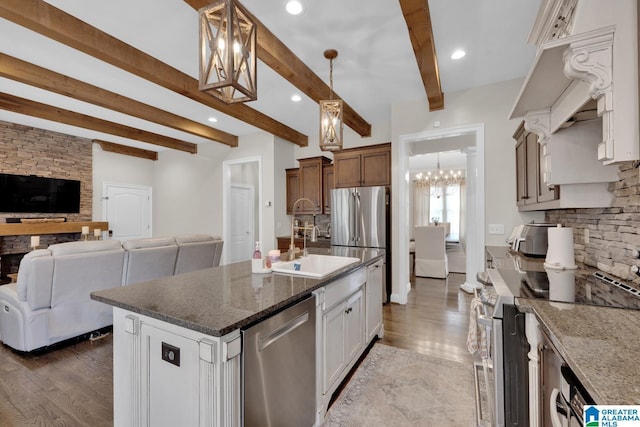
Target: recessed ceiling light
pixel 212 119
pixel 296 98
pixel 457 54
pixel 294 7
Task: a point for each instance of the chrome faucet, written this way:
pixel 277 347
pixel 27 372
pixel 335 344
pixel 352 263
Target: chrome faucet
pixel 292 246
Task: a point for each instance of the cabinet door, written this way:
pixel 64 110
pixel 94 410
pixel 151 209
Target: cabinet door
pixel 333 349
pixel 310 185
pixel 354 326
pixel 531 141
pixel 293 188
pixel 170 392
pixel 521 172
pixel 373 297
pixel 544 193
pixel 376 167
pixel 327 186
pixel 346 169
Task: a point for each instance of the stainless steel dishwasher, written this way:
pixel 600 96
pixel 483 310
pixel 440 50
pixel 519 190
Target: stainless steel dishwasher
pixel 279 368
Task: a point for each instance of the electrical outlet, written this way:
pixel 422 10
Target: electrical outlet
pixel 496 228
pixel 586 236
pixel 170 354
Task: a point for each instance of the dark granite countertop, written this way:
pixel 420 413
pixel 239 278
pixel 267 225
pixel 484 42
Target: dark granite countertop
pixel 219 300
pixel 600 344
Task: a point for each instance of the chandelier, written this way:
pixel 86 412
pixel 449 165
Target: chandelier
pixel 228 52
pixel 331 110
pixel 440 182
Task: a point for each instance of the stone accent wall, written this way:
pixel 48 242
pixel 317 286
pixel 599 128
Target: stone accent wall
pixel 26 150
pixel 614 233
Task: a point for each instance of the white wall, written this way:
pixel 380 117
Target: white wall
pixel 283 159
pixel 187 191
pixel 112 168
pixel 490 105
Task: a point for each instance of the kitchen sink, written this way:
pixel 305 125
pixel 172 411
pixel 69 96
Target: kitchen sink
pixel 317 266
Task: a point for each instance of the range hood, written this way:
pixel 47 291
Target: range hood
pixel 568 75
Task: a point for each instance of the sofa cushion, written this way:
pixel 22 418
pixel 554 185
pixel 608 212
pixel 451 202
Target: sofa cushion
pixel 148 259
pixel 71 248
pixel 197 251
pixel 194 238
pixel 154 242
pixel 34 278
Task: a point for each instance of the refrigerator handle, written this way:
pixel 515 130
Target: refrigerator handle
pixel 352 217
pixel 356 217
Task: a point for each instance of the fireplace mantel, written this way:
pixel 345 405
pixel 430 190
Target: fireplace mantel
pixel 29 229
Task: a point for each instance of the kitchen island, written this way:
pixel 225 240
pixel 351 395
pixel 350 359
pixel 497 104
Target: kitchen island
pixel 178 342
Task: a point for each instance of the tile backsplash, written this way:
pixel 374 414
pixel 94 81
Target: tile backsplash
pixel 605 238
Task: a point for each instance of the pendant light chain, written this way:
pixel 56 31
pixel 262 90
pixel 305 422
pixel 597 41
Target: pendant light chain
pixel 331 79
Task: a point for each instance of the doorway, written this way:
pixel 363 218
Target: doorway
pixel 474 220
pixel 242 222
pixel 127 208
pixel 241 213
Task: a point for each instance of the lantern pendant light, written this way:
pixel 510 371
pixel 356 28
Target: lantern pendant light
pixel 331 111
pixel 228 52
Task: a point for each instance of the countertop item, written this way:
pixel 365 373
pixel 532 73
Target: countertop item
pixel 600 345
pixel 219 300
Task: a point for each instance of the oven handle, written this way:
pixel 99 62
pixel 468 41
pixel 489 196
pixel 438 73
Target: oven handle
pixel 555 409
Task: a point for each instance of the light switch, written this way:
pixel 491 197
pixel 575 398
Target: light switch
pixel 496 228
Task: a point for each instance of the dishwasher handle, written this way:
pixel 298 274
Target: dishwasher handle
pixel 283 330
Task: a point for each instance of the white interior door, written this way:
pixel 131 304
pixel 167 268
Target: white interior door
pixel 128 211
pixel 241 222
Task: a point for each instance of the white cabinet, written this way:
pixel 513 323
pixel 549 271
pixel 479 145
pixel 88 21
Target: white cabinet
pixel 341 334
pixel 373 295
pixel 166 375
pixel 592 56
pixel 343 331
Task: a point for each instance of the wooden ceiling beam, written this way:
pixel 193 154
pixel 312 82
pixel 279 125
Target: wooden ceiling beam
pixel 283 61
pixel 58 25
pixel 126 150
pixel 34 75
pixel 416 14
pixel 36 109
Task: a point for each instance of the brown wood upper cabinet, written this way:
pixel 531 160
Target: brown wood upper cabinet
pixel 310 184
pixel 363 166
pixel 293 188
pixel 530 187
pixel 328 183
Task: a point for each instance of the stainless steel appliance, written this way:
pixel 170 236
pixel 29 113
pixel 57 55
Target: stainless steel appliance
pixel 279 368
pixel 360 218
pixel 563 397
pixel 534 239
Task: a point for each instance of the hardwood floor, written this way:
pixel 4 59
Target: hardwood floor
pixel 434 321
pixel 68 386
pixel 73 385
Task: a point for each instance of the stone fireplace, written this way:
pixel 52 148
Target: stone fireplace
pixel 26 150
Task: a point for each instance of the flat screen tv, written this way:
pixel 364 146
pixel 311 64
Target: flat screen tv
pixel 35 194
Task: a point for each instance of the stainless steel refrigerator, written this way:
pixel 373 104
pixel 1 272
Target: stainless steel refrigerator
pixel 360 218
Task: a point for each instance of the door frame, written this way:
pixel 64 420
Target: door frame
pixel 401 230
pixel 226 187
pixel 103 198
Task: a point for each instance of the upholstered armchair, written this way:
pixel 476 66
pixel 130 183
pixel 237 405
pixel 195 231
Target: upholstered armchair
pixel 431 255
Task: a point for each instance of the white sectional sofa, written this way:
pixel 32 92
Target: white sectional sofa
pixel 51 300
